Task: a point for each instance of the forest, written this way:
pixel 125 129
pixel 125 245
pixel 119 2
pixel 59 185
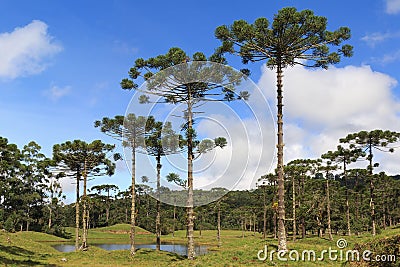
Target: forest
pixel 342 193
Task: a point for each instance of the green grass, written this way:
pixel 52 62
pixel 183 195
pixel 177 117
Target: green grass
pixel 34 249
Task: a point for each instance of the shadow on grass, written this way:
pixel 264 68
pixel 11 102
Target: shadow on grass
pixel 17 251
pixel 171 255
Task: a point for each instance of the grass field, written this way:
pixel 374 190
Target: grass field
pixel 35 249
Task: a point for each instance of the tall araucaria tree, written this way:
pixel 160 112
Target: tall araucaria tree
pixel 375 139
pixel 177 78
pixel 131 130
pixel 293 38
pixel 84 160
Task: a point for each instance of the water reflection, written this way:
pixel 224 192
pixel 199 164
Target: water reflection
pixel 180 249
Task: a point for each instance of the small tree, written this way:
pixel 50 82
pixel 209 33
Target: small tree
pixel 293 38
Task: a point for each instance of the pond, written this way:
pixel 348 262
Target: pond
pixel 180 249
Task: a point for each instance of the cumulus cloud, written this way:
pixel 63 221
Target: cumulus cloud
pixel 322 106
pixel 392 6
pixel 25 50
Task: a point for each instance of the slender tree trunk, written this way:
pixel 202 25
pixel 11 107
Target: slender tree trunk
pixel 173 226
pixel 250 223
pixel 50 214
pixel 133 193
pixel 254 224
pixel 243 227
pixel 328 207
pixel 384 219
pixel 275 225
pixel 219 224
pixel 294 209
pixel 108 206
pixel 372 187
pixel 281 185
pixel 347 198
pixel 303 222
pixel 158 217
pixel 319 223
pixel 265 215
pixel 51 204
pixel 27 221
pixel 84 213
pixel 200 225
pixel 190 224
pixel 77 212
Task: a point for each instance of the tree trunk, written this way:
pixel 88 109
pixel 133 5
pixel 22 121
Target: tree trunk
pixel 219 224
pixel 108 206
pixel 173 226
pixel 281 185
pixel 243 227
pixel 158 217
pixel 254 224
pixel 77 212
pixel 347 198
pixel 371 186
pixel 294 209
pixel 190 223
pixel 265 215
pixel 84 213
pixel 133 192
pixel 250 223
pixel 50 214
pixel 328 207
pixel 51 204
pixel 27 221
pixel 303 221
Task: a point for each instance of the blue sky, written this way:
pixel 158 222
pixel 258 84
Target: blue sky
pixel 61 63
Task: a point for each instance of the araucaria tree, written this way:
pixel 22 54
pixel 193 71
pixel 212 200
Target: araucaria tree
pixel 106 188
pixel 293 38
pixel 345 156
pixel 192 81
pixel 83 160
pixel 160 142
pixel 367 141
pixel 131 130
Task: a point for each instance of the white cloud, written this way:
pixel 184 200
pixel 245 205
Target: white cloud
pixel 379 37
pixel 55 92
pixel 322 106
pixel 392 6
pixel 388 58
pixel 25 50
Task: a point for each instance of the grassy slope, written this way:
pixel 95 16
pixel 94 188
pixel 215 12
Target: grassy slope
pixel 29 249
